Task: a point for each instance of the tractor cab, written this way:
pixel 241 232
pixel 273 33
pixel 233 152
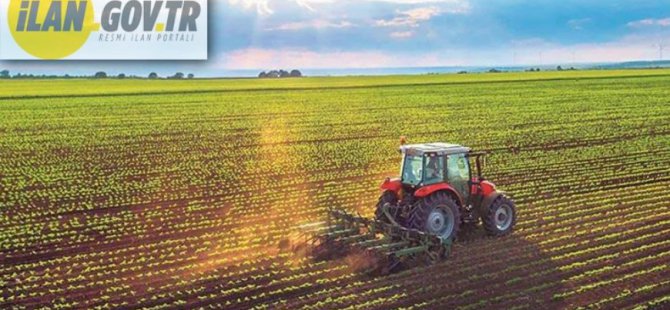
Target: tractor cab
pixel 435 163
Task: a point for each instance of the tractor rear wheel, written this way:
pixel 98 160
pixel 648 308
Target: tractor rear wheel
pixel 390 198
pixel 437 214
pixel 500 217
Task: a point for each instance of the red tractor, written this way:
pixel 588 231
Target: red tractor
pixel 419 214
pixel 438 190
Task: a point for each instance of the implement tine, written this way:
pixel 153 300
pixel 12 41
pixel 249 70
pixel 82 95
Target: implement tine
pixel 388 244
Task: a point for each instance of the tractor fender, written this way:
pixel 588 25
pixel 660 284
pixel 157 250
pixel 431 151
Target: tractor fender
pixel 393 185
pixel 482 188
pixel 440 187
pixel 488 188
pixel 488 200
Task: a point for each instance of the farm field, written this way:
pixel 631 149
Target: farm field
pixel 188 194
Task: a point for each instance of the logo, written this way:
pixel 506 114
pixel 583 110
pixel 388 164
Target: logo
pixel 51 29
pixel 104 29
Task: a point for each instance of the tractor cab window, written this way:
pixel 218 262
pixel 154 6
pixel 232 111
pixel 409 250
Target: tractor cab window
pixel 412 170
pixel 434 170
pixel 458 173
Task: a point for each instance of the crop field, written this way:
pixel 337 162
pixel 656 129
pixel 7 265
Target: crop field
pixel 189 194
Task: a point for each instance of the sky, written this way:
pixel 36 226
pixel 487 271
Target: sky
pixel 313 34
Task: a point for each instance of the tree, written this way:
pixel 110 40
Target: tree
pixel 153 75
pixel 191 76
pixel 296 73
pixel 178 76
pixel 262 75
pixel 121 76
pixel 4 74
pixel 273 74
pixel 559 68
pixel 284 74
pixel 100 75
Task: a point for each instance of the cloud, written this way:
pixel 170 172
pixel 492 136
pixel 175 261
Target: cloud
pixel 254 58
pixel 446 6
pixel 578 24
pixel 402 34
pixel 312 24
pixel 309 4
pixel 410 18
pixel 540 51
pixel 665 22
pixel 262 7
pixel 263 59
pixel 530 52
pixel 419 1
pixel 415 16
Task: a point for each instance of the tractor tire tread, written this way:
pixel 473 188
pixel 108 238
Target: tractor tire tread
pixel 419 215
pixel 489 215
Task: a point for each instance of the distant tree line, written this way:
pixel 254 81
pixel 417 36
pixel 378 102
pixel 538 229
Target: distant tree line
pixel 5 74
pixel 558 68
pixel 277 74
pixel 151 76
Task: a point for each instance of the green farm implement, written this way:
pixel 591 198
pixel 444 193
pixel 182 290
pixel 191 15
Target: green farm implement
pixel 384 246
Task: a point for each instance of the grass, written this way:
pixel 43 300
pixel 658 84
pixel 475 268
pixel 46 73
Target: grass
pixel 46 88
pixel 202 180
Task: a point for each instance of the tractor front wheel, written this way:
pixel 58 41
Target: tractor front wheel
pixel 437 214
pixel 500 217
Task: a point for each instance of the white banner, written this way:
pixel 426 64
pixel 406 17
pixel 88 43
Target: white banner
pixel 103 29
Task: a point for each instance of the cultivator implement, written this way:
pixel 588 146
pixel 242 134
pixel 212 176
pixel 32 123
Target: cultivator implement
pixel 375 247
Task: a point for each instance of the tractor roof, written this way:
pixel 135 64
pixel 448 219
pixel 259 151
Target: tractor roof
pixel 434 148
